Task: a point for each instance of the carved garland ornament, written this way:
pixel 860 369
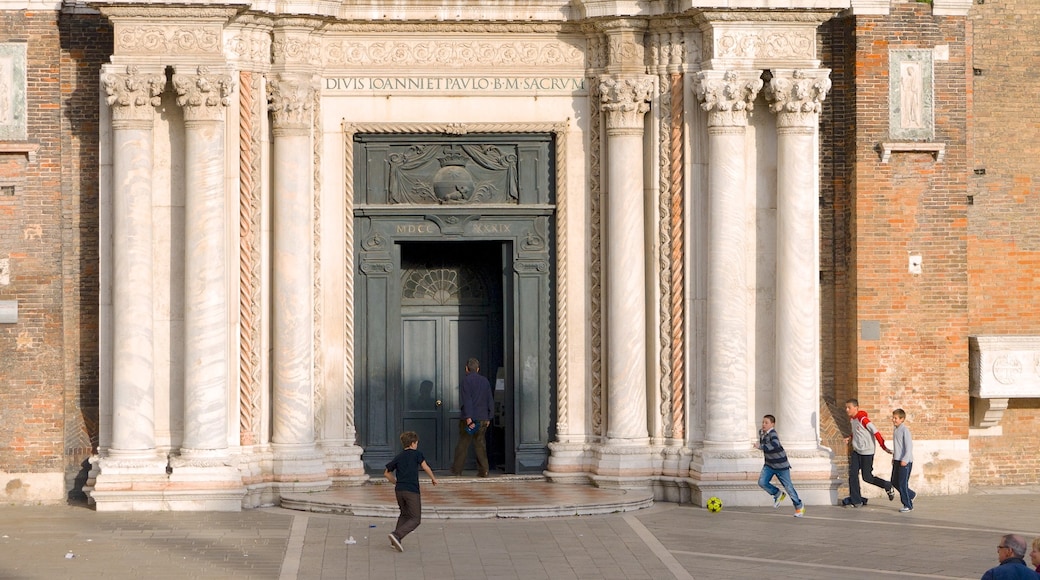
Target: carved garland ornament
pixel 164 40
pixel 453 54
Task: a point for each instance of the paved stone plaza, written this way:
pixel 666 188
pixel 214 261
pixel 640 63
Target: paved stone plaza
pixel 944 537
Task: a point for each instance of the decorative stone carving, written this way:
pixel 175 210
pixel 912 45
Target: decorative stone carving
pixel 625 100
pixel 797 96
pixel 728 96
pixel 203 95
pixel 291 100
pixel 1001 368
pixel 133 95
pixel 454 53
pixel 248 45
pixel 789 44
pixel 296 50
pixel 493 177
pixel 164 39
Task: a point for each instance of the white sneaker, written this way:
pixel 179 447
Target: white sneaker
pixel 395 542
pixel 799 512
pixel 779 499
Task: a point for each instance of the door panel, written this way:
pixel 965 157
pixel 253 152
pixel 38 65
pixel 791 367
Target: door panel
pixel 421 384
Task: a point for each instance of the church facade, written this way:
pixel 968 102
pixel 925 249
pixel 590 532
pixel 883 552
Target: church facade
pixel 244 246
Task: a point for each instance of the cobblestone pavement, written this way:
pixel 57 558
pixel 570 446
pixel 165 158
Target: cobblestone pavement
pixel 944 537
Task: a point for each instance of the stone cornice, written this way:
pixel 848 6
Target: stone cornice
pixel 117 11
pixel 808 16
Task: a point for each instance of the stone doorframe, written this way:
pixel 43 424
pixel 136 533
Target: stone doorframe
pixel 370 264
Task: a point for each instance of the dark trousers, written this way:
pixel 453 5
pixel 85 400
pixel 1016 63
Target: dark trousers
pixel 411 513
pixel 901 481
pixel 462 448
pixel 863 464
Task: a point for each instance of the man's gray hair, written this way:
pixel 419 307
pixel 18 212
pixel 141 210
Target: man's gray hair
pixel 472 365
pixel 1015 543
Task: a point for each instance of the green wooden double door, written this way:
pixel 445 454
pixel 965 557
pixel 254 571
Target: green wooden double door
pixel 451 310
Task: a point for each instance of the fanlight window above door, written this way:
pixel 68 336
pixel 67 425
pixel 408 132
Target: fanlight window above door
pixel 439 286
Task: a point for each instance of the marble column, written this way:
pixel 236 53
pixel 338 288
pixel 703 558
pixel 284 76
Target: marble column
pixel 796 97
pixel 133 92
pixel 727 97
pixel 291 98
pixel 203 94
pixel 625 101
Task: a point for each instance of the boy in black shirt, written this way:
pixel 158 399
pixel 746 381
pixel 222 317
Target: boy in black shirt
pixel 406 486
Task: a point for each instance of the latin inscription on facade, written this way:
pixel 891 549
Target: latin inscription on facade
pixel 453 84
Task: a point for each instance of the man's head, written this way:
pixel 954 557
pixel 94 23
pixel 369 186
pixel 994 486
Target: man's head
pixel 408 439
pixel 1011 546
pixel 852 407
pixel 768 421
pixel 472 365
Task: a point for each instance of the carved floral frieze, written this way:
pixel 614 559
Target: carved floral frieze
pixel 157 39
pixel 248 45
pixel 454 53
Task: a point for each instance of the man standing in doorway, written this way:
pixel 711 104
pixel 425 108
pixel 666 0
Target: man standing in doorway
pixel 477 405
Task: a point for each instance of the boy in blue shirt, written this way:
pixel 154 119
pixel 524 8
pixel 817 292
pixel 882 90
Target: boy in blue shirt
pixel 776 464
pixel 406 486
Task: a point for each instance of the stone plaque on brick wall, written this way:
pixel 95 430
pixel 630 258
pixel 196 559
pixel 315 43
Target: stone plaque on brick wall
pixel 910 95
pixel 1004 366
pixel 12 92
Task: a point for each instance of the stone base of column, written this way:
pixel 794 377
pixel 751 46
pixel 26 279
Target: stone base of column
pixel 205 480
pixel 568 463
pixel 623 464
pixel 125 483
pixel 298 468
pixel 732 476
pixel 343 462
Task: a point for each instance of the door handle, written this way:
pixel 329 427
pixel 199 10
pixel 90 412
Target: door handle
pixel 438 402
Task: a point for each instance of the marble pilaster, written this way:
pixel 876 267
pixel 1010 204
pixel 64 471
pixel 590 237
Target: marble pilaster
pixel 796 97
pixel 727 97
pixel 291 98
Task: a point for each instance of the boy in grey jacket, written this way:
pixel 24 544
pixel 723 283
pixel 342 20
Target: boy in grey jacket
pixel 902 460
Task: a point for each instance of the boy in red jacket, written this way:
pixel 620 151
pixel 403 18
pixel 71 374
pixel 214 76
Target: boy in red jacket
pixel 861 458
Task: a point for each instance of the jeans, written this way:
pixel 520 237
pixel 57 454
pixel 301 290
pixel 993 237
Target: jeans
pixel 784 475
pixel 863 464
pixel 901 481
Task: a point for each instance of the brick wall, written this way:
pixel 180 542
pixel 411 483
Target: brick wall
pixel 1004 217
pixel 48 231
pixel 875 214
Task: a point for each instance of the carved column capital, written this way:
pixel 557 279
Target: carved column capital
pixel 132 93
pixel 203 93
pixel 290 100
pixel 796 96
pixel 625 100
pixel 727 96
